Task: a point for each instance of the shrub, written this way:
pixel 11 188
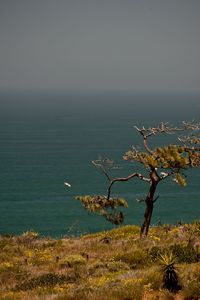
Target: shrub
pixel 184 254
pixel 192 291
pixel 27 238
pixel 152 278
pixel 114 266
pixel 44 280
pixel 5 242
pixel 112 289
pixel 72 261
pixel 154 253
pixel 135 259
pixel 191 280
pixel 10 272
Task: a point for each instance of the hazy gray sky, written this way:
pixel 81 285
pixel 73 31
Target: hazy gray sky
pixel 100 44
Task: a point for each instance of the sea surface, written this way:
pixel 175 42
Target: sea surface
pixel 49 137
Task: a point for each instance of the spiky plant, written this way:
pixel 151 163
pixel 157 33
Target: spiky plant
pixel 170 276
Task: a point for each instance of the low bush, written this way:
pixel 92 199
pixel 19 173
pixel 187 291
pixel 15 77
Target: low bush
pixel 135 259
pixel 192 291
pixel 154 253
pixel 184 254
pixel 44 280
pixel 10 272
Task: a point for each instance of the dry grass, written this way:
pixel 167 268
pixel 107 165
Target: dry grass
pixel 113 265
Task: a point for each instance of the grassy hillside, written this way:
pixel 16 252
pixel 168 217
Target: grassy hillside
pixel 108 265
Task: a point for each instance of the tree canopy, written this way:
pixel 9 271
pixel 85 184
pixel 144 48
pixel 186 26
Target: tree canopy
pixel 171 160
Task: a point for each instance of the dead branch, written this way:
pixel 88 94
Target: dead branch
pixel 164 175
pixel 156 199
pixel 122 179
pixel 100 167
pixel 191 125
pixel 165 128
pixel 161 128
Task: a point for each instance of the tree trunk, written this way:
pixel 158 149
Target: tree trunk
pixel 149 204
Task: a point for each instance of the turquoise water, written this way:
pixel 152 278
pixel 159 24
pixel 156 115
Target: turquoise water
pixel 51 137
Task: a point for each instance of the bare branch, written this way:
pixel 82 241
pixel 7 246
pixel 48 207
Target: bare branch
pixel 191 125
pixel 146 146
pixel 166 174
pixel 161 128
pixel 165 128
pixel 156 199
pixel 142 132
pixel 190 142
pixel 192 149
pixel 121 179
pixel 101 168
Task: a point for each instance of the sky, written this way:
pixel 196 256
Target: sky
pixel 100 44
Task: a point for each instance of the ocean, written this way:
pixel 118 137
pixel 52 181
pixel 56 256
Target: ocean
pixel 49 137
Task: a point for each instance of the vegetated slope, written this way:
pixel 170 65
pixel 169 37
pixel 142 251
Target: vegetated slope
pixel 110 265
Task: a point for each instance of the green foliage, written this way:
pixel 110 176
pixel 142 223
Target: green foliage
pixel 154 253
pixel 10 272
pixel 5 242
pixel 44 280
pixel 97 203
pixel 28 237
pixel 115 266
pixel 152 278
pixel 167 259
pixel 72 261
pixel 195 228
pixel 104 206
pixel 184 254
pixel 168 157
pixel 180 179
pixel 130 289
pixel 192 291
pixel 30 234
pixel 87 268
pixel 171 156
pixel 160 162
pixel 125 231
pixel 194 158
pixel 135 259
pixel 192 283
pixel 110 290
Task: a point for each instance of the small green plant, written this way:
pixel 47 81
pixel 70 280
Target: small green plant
pixel 170 277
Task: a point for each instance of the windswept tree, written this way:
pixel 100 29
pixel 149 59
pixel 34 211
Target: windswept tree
pixel 162 162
